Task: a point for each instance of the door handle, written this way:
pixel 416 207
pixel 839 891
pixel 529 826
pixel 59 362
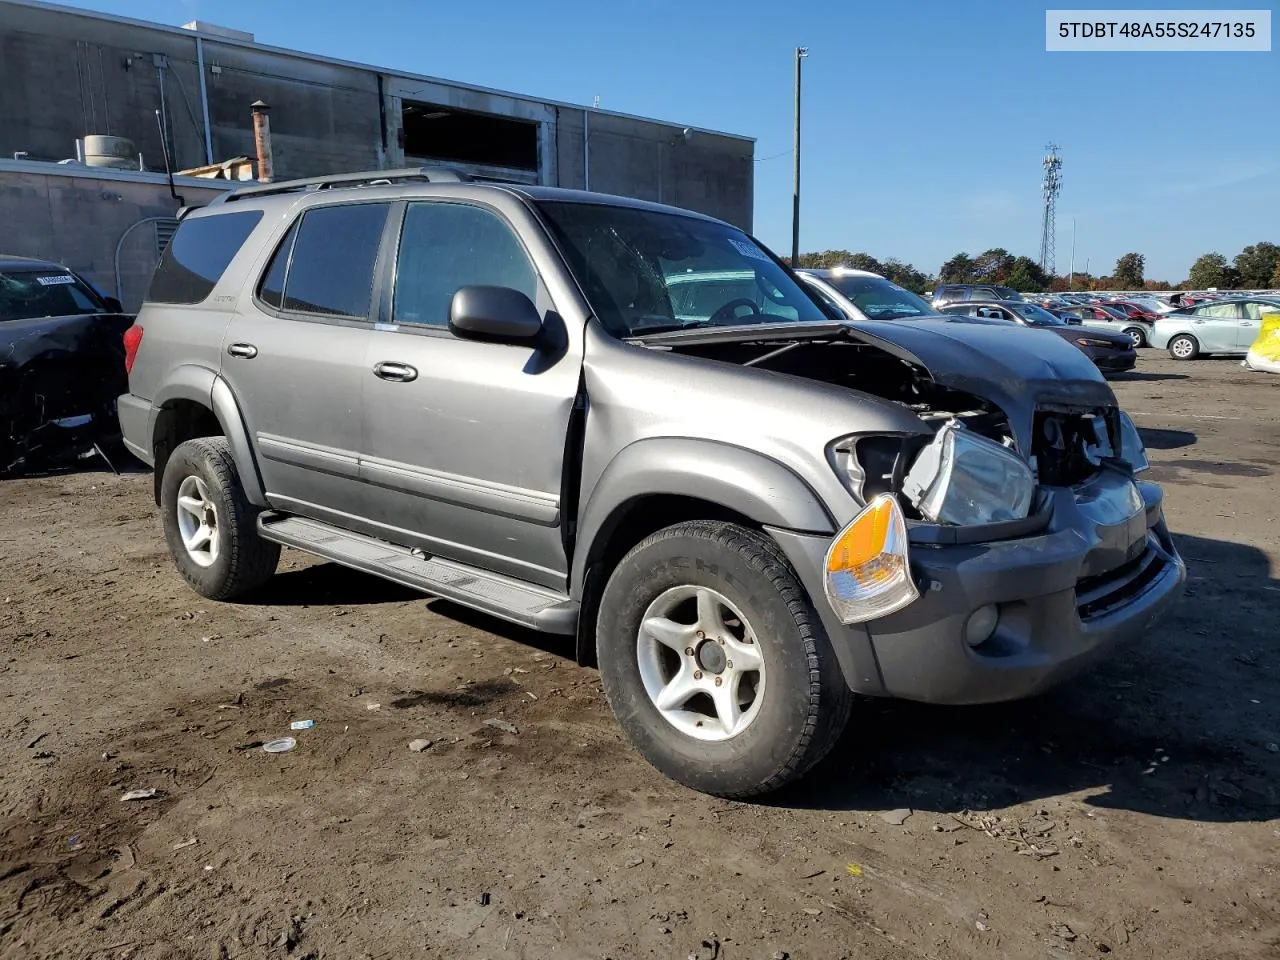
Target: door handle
pixel 246 351
pixel 395 372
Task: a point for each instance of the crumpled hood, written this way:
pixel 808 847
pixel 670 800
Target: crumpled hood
pixel 51 338
pixel 1013 367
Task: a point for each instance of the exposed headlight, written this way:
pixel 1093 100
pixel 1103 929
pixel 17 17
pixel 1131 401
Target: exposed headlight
pixel 962 478
pixel 867 574
pixel 1132 451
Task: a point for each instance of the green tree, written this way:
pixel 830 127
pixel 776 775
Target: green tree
pixel 993 266
pixel 904 275
pixel 1128 272
pixel 1027 276
pixel 959 269
pixel 1275 277
pixel 1209 270
pixel 1256 264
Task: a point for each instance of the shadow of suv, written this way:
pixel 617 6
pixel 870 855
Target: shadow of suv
pixel 633 425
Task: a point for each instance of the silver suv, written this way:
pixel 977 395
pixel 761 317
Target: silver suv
pixel 632 424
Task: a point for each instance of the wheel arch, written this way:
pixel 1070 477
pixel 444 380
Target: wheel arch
pixel 196 402
pixel 656 483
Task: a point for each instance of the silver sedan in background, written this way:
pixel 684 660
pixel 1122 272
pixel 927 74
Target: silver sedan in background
pixel 1224 326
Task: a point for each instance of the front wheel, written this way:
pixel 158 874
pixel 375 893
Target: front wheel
pixel 715 663
pixel 1184 347
pixel 210 526
pixel 1137 335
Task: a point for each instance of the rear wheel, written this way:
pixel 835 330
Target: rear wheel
pixel 210 526
pixel 1184 347
pixel 715 662
pixel 1137 335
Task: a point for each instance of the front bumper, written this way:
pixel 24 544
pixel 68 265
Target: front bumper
pixel 1101 572
pixel 1113 362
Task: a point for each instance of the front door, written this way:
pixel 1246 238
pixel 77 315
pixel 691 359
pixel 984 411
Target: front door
pixel 294 358
pixel 465 441
pixel 1216 327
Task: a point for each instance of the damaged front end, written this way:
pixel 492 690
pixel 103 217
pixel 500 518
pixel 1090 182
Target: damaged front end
pixel 59 379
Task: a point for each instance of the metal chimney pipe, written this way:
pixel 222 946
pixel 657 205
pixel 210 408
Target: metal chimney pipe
pixel 262 139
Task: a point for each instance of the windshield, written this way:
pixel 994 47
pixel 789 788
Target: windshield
pixel 880 299
pixel 644 271
pixel 1037 315
pixel 44 293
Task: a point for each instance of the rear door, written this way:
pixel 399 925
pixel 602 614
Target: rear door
pixel 465 440
pixel 1250 322
pixel 294 358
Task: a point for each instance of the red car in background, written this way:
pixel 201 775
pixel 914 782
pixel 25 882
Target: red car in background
pixel 1134 311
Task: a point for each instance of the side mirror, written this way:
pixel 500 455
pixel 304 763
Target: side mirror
pixel 113 305
pixel 499 314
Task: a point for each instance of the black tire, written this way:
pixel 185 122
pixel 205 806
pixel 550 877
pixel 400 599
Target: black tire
pixel 244 560
pixel 1137 335
pixel 1192 347
pixel 806 701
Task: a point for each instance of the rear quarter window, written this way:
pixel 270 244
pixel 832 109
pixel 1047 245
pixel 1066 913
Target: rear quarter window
pixel 199 252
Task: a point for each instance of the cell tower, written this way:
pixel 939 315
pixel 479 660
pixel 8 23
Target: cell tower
pixel 1052 164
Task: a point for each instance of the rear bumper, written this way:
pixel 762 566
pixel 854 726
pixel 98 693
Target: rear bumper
pixel 136 414
pixel 1093 579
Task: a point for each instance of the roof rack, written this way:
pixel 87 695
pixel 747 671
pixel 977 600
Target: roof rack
pixel 369 178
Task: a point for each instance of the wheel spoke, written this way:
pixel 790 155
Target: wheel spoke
pixel 677 636
pixel 200 537
pixel 710 618
pixel 202 489
pixel 725 698
pixel 192 505
pixel 744 656
pixel 678 691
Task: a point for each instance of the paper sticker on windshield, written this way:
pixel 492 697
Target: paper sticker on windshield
pixel 54 281
pixel 747 249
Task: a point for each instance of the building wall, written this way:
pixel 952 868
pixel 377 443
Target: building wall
pixel 65 74
pixel 79 218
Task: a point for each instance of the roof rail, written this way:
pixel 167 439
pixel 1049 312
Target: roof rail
pixel 370 178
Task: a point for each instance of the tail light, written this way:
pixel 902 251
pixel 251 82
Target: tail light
pixel 132 340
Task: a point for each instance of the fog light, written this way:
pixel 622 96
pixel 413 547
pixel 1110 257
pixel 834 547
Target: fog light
pixel 981 625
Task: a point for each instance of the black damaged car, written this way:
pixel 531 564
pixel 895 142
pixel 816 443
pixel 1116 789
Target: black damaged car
pixel 61 365
pixel 1111 352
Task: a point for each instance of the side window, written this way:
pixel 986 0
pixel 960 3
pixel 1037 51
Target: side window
pixel 331 270
pixel 1254 309
pixel 446 246
pixel 1220 311
pixel 271 290
pixel 199 252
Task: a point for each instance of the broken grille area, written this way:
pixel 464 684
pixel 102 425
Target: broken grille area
pixel 1098 596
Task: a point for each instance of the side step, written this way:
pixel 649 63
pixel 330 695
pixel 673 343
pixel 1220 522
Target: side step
pixel 523 603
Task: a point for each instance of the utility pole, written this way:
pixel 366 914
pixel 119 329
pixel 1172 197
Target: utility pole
pixel 1052 164
pixel 1072 275
pixel 801 53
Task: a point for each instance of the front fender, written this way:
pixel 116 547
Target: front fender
pixel 733 477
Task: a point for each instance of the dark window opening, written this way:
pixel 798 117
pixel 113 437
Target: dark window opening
pixel 199 252
pixel 434 132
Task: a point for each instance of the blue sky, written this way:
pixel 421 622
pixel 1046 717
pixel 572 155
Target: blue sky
pixel 924 120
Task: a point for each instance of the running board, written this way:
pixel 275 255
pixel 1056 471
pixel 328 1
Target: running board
pixel 523 603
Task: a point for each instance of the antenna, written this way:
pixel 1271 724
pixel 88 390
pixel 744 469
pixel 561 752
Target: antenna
pixel 168 167
pixel 1052 164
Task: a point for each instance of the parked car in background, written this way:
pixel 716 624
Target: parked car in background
pixel 1109 318
pixel 744 512
pixel 1134 310
pixel 956 292
pixel 61 364
pixel 862 295
pixel 1223 326
pixel 1110 352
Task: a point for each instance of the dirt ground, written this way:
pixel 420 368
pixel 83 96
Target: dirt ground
pixel 1133 812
